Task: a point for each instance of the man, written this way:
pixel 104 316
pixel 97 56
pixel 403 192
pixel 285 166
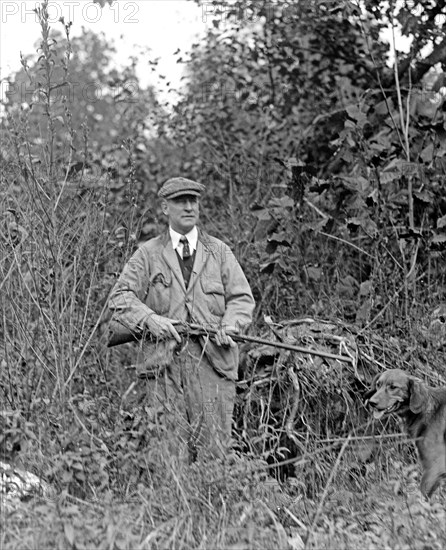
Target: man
pixel 187 276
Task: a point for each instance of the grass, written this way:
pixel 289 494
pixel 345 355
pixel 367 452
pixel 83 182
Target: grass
pixel 185 510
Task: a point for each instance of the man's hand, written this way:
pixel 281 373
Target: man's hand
pixel 223 339
pixel 162 327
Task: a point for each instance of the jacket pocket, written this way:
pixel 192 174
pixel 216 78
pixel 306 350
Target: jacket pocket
pixel 158 296
pixel 215 295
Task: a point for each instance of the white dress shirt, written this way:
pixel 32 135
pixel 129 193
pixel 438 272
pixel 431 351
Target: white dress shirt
pixel 192 238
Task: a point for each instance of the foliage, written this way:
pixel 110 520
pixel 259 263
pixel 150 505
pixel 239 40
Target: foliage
pixel 96 118
pixel 326 175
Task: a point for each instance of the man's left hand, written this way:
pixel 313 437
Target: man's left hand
pixel 223 339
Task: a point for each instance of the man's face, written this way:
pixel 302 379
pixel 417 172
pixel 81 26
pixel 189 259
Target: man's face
pixel 182 212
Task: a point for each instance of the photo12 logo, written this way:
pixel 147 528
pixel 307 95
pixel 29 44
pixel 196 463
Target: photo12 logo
pixel 31 94
pixel 286 11
pixel 82 12
pixel 227 13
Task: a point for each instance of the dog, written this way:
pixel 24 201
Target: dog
pixel 423 410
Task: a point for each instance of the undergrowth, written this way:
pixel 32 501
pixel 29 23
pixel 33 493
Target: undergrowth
pixel 308 468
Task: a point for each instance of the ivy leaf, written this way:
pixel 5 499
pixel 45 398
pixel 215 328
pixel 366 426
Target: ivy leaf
pixel 268 267
pixel 424 196
pixel 283 202
pixel 382 108
pixel 368 225
pixel 427 154
pixel 439 83
pixel 281 238
pixel 263 214
pixel 441 222
pixel 315 226
pixel 314 273
pixel 439 239
pixel 365 288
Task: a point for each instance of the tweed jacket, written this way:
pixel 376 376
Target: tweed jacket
pixel 218 293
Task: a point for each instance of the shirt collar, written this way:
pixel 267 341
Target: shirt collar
pixel 192 237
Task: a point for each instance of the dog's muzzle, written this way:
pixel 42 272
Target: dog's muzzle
pixel 379 413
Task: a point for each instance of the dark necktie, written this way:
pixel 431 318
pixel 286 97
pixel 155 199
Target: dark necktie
pixel 186 249
pixel 187 261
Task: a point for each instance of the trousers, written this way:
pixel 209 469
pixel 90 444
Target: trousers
pixel 197 402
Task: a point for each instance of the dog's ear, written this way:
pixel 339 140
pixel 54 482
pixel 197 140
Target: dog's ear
pixel 368 394
pixel 418 395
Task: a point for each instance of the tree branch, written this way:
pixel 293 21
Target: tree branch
pixel 421 67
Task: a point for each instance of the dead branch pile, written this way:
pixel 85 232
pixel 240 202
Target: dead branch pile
pixel 290 403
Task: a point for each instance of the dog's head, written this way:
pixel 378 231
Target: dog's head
pixel 396 391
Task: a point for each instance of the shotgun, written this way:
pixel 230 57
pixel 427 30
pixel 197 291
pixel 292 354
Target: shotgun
pixel 121 335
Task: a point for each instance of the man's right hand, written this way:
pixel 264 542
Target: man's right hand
pixel 162 327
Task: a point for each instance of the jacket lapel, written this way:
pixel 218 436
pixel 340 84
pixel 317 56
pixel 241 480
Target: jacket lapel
pixel 201 258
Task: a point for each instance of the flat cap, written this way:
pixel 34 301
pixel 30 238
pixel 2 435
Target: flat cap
pixel 175 187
